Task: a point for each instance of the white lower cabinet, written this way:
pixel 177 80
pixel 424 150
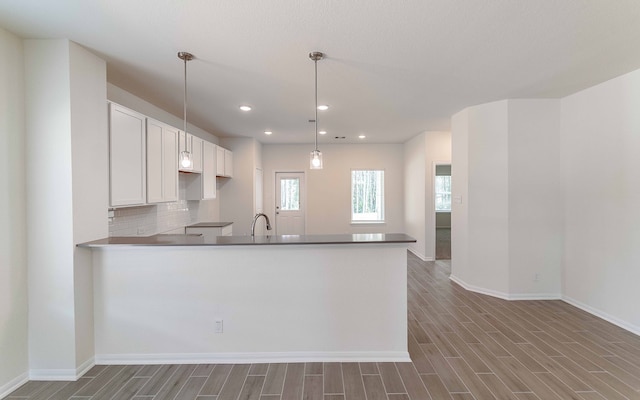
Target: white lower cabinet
pixel 210 232
pixel 127 157
pixel 162 162
pixel 203 186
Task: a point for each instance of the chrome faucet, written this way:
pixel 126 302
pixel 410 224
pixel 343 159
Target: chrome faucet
pixel 255 219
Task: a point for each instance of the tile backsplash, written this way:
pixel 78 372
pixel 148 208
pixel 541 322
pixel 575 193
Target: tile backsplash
pixel 157 218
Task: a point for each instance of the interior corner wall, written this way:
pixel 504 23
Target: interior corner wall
pixel 484 131
pixel 536 209
pixel 415 190
pixel 90 183
pixel 66 147
pixel 49 207
pixel 600 129
pixel 460 267
pixel 13 241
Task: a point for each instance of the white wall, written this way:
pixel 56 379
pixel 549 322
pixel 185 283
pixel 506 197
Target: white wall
pixel 66 201
pixel 601 152
pixel 460 195
pixel 13 254
pixel 507 220
pixel 90 182
pixel 486 201
pixel 237 194
pixel 328 190
pixel 420 154
pixel 415 194
pixel 535 198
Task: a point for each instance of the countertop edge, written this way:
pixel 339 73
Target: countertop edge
pixel 198 241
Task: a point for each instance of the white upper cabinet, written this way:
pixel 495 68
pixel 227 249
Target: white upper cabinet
pixel 203 186
pixel 224 162
pixel 162 162
pixel 127 157
pixel 228 163
pixel 209 171
pixel 194 145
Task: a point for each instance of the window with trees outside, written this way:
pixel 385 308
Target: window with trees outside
pixel 443 193
pixel 367 196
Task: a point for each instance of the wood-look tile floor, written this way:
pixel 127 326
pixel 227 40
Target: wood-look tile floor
pixel 463 346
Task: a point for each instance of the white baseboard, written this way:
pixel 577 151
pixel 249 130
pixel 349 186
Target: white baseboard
pixel 421 256
pixel 248 358
pixel 13 384
pixel 505 296
pixel 601 314
pixel 61 374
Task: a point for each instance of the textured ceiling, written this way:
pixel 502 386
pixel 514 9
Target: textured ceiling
pixel 394 68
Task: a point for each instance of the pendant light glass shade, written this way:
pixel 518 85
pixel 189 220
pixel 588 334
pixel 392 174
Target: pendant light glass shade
pixel 186 158
pixel 315 161
pixel 186 162
pixel 315 158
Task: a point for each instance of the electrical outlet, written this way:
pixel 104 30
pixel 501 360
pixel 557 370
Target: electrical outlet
pixel 219 326
pixel 536 277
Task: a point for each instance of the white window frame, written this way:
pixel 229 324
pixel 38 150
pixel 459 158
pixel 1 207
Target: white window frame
pixel 379 215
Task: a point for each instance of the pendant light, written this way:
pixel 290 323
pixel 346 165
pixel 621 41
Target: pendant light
pixel 315 160
pixel 186 158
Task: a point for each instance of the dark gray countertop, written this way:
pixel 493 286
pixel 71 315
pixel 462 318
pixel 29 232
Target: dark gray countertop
pixel 187 240
pixel 210 225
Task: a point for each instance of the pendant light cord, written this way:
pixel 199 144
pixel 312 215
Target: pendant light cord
pixel 315 62
pixel 186 144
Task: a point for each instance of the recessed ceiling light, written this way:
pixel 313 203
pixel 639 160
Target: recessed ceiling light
pixel 362 136
pixel 322 132
pixel 245 108
pixel 268 132
pixel 323 107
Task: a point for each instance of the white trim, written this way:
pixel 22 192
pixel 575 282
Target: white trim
pixel 505 296
pixel 601 314
pixel 249 358
pixel 477 289
pixel 62 374
pixel 419 255
pixel 13 384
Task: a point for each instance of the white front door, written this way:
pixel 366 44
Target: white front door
pixel 290 203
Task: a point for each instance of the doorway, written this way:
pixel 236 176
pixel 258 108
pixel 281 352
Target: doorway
pixel 290 203
pixel 442 210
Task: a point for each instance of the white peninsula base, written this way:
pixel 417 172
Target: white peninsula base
pixel 287 303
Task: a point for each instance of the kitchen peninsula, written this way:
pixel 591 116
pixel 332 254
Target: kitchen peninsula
pixel 235 299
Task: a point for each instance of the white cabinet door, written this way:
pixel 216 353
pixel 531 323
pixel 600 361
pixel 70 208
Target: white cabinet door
pixel 228 163
pixel 224 162
pixel 127 157
pixel 162 162
pixel 203 186
pixel 219 161
pixel 170 164
pixel 209 171
pixel 196 152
